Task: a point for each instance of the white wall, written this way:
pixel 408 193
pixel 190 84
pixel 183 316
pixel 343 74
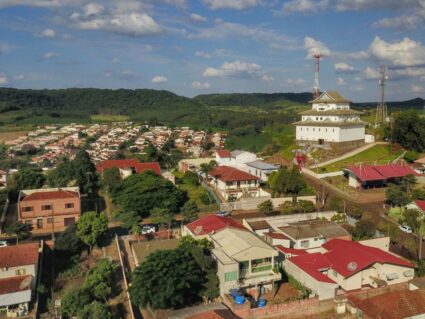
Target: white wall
pixel 314 133
pixel 351 133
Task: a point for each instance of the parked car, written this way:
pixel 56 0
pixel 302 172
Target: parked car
pixel 3 243
pixel 223 213
pixel 406 229
pixel 148 229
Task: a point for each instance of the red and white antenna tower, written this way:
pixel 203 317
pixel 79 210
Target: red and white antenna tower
pixel 316 88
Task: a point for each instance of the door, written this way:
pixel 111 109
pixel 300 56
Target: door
pixel 40 223
pixel 321 141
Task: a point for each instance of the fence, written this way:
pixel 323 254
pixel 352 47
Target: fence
pixel 253 202
pixel 323 175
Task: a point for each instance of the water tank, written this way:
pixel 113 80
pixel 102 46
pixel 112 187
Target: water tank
pixel 262 303
pixel 239 300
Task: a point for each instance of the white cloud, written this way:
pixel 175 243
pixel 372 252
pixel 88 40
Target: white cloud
pixel 267 78
pixel 371 73
pixel 38 3
pixel 200 86
pixel 403 53
pixel 417 89
pixel 357 5
pixel 197 18
pixel 3 79
pixel 19 77
pixel 93 9
pixel 341 81
pixel 203 54
pixel 235 69
pixel 295 82
pixel 401 22
pixel 49 55
pixel 159 79
pixel 46 33
pixel 343 67
pixel 306 6
pixel 314 46
pixel 231 4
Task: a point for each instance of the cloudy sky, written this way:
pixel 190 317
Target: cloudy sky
pixel 201 46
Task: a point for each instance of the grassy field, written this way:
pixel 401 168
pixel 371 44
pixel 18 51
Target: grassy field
pixel 378 154
pixel 11 135
pixel 252 142
pixel 395 213
pixel 109 118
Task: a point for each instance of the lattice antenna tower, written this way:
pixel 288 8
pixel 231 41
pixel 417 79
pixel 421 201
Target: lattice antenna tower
pixel 316 87
pixel 381 109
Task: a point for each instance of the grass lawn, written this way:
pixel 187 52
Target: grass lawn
pixel 252 142
pixel 378 154
pixel 395 213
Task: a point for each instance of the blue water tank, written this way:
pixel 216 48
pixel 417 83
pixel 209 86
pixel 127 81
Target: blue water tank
pixel 239 300
pixel 262 303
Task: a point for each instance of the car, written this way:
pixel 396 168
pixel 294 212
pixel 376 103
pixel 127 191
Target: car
pixel 406 229
pixel 148 229
pixel 3 243
pixel 223 213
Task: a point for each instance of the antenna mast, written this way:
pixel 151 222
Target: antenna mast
pixel 381 109
pixel 316 88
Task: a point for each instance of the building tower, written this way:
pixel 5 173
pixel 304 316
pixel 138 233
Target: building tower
pixel 316 87
pixel 381 109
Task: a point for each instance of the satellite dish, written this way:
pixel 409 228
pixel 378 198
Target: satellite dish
pixel 352 266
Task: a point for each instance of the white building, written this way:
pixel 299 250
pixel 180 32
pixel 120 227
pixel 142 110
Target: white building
pixel 330 121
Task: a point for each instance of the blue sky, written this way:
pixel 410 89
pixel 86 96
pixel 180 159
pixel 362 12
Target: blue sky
pixel 204 46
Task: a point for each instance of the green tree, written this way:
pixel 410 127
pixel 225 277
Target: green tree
pixel 174 269
pixel 278 182
pixel 85 172
pixel 397 195
pixel 266 207
pixel 20 230
pixel 364 229
pixel 62 175
pixel 111 178
pixel 68 240
pixel 162 216
pixel 191 178
pixel 30 177
pixel 412 219
pixel 296 184
pixel 91 226
pixel 409 130
pixel 207 168
pixel 190 211
pixel 73 301
pixel 95 310
pixel 130 220
pixel 100 279
pixel 141 193
pixel 411 156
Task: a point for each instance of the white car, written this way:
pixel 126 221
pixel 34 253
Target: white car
pixel 405 229
pixel 148 229
pixel 3 243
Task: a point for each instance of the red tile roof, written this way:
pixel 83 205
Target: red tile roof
pixel 341 253
pixel 420 204
pixel 230 174
pixel 312 264
pixel 292 251
pixel 129 163
pixel 212 223
pixel 224 153
pixel 59 194
pixel 367 173
pixel 276 235
pixel 15 284
pixel 392 305
pixel 19 255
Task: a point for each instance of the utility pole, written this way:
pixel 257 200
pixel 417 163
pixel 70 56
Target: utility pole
pixel 381 109
pixel 316 87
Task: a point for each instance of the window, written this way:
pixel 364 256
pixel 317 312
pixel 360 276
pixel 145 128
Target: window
pixel 50 220
pixel 304 243
pixel 20 272
pixel 69 205
pixel 46 207
pixel 27 209
pixel 231 276
pixel 28 221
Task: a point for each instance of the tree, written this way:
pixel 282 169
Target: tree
pixel 162 216
pixel 421 233
pixel 85 172
pixel 141 193
pixel 20 230
pixel 278 182
pixel 296 184
pixel 412 219
pixel 307 206
pixel 207 168
pixel 91 226
pixel 68 240
pixel 28 178
pixel 174 269
pixel 62 175
pixel 397 195
pixel 130 220
pixel 100 280
pixel 411 156
pixel 73 301
pixel 364 230
pixel 190 211
pixel 94 310
pixel 266 207
pixel 409 130
pixel 111 178
pixel 191 178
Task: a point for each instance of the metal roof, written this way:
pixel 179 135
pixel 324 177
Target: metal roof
pixel 262 165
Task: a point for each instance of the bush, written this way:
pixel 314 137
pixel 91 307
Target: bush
pixel 190 178
pixel 266 207
pixel 206 198
pixel 307 206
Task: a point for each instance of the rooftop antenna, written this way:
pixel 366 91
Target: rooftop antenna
pixel 381 109
pixel 316 88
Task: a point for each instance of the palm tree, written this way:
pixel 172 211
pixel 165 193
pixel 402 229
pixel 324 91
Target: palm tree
pixel 206 168
pixel 421 234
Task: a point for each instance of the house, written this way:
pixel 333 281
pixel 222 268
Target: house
pixel 311 234
pixel 193 164
pixel 128 167
pixel 204 226
pixel 3 179
pixel 418 205
pixel 49 209
pixel 243 260
pixel 349 266
pixel 260 227
pixel 18 277
pixel 371 176
pixel 230 183
pixel 330 121
pixel 391 305
pixel 276 239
